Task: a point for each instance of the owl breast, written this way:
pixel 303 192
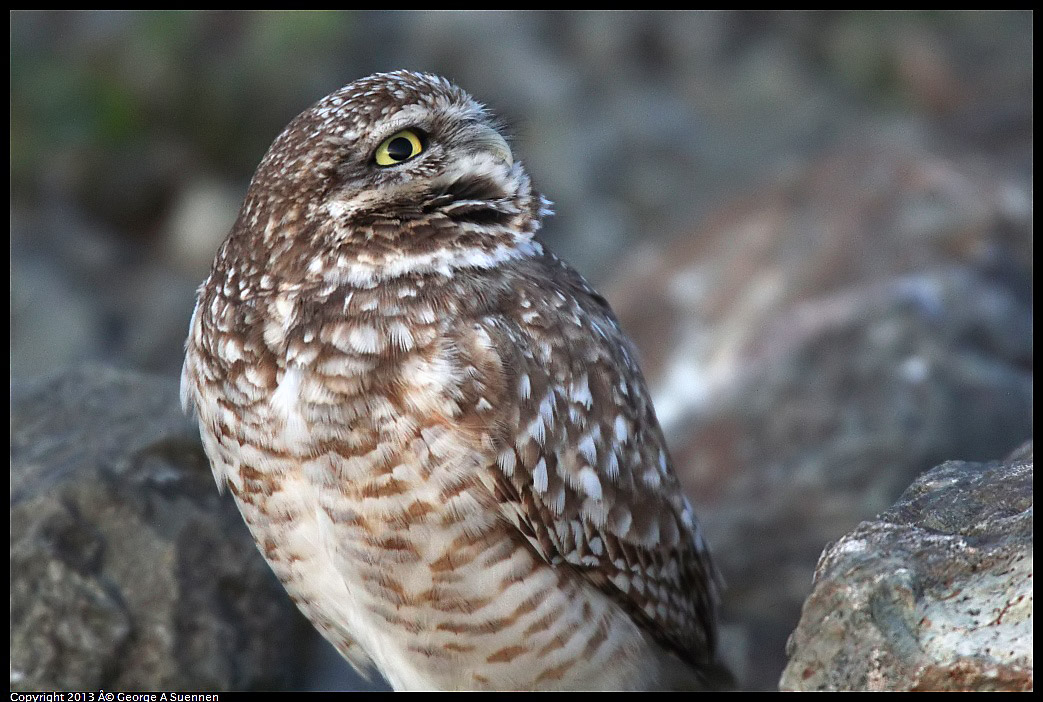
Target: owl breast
pixel 344 421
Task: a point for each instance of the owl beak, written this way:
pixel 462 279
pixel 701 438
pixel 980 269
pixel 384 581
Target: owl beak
pixel 488 139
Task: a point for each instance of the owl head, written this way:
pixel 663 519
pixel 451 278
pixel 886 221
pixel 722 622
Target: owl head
pixel 388 171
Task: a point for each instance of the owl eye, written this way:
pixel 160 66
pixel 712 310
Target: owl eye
pixel 400 146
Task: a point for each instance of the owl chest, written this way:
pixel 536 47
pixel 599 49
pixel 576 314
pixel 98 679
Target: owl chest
pixel 362 486
pixel 354 462
pixel 344 413
pixel 353 393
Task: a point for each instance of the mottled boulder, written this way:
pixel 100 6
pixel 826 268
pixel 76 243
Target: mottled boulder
pixel 128 571
pixel 816 346
pixel 934 594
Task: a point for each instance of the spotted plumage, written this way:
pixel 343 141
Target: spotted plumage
pixel 435 429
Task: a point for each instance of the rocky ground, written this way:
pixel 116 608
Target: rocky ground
pixel 935 594
pixel 817 227
pixel 128 571
pixel 811 353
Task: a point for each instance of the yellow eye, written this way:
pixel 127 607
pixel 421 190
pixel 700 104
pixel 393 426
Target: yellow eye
pixel 400 146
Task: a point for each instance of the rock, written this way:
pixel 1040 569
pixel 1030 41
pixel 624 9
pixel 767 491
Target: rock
pixel 934 594
pixel 814 347
pixel 670 122
pixel 80 295
pixel 128 571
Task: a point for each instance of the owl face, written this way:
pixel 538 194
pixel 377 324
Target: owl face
pixel 387 144
pixel 393 174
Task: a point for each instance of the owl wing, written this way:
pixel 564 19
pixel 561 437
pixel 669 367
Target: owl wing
pixel 578 462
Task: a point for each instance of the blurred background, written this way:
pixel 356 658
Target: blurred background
pixel 816 226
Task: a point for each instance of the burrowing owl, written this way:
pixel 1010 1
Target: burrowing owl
pixel 435 429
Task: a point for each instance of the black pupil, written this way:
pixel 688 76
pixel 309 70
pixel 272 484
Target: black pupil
pixel 400 149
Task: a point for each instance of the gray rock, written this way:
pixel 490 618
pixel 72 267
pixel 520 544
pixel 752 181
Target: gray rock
pixel 934 594
pixel 81 295
pixel 128 571
pixel 813 348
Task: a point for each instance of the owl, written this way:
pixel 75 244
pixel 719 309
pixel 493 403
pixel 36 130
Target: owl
pixel 435 429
